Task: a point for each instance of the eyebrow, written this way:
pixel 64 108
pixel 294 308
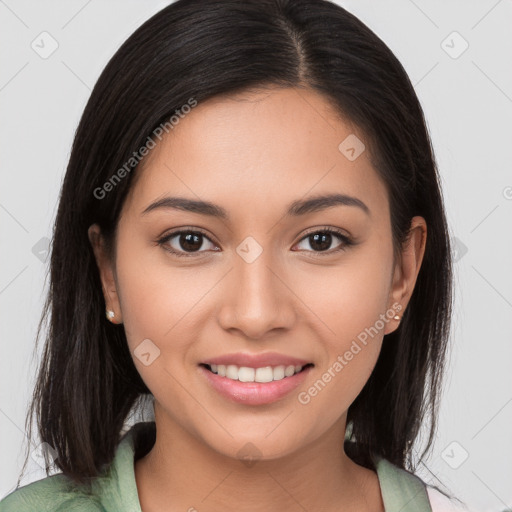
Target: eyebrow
pixel 295 209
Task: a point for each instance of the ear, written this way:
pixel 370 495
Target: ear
pixel 407 269
pixel 107 273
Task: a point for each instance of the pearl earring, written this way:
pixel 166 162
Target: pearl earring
pixel 396 317
pixel 110 315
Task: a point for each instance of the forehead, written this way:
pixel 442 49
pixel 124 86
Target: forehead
pixel 256 149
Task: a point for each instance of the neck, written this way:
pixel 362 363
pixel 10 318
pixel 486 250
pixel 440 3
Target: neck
pixel 182 472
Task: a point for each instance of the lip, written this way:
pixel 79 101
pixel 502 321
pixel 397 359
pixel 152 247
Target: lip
pixel 255 393
pixel 257 360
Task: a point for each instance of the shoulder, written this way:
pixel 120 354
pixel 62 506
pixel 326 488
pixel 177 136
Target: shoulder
pixel 114 489
pixel 402 488
pixel 51 494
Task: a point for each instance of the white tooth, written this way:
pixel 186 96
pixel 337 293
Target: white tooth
pixel 289 371
pixel 264 374
pixel 232 372
pixel 279 372
pixel 245 374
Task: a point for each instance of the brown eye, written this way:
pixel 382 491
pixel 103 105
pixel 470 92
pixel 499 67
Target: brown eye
pixel 322 241
pixel 190 241
pixel 185 243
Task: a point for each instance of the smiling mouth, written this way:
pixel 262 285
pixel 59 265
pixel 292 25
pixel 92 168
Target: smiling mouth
pixel 261 375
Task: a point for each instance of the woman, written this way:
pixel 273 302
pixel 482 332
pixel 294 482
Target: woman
pixel 251 234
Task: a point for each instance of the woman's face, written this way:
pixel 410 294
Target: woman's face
pixel 262 285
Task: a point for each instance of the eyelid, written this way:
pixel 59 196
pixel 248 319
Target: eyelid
pixel 187 229
pixel 330 229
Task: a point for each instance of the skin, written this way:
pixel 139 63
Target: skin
pixel 253 154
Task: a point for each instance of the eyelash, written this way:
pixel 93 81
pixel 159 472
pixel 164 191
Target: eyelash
pixel 346 241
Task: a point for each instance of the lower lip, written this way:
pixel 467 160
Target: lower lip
pixel 254 393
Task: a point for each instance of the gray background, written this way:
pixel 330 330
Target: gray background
pixel 467 98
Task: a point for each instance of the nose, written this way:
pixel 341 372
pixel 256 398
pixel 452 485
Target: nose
pixel 257 299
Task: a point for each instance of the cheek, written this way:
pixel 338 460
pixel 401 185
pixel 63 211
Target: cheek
pixel 166 306
pixel 349 297
pixel 162 304
pixel 154 296
pixel 350 356
pixel 155 321
pixel 352 302
pixel 336 385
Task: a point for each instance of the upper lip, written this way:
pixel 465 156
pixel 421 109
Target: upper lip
pixel 256 360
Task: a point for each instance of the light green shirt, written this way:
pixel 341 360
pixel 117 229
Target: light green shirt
pixel 116 490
